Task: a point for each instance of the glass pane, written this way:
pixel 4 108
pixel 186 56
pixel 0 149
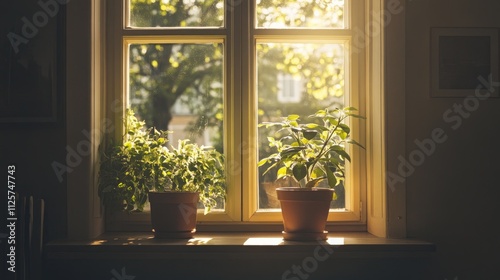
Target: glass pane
pixel 300 14
pixel 176 13
pixel 295 79
pixel 179 87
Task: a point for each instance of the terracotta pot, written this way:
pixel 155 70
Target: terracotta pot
pixel 304 212
pixel 173 214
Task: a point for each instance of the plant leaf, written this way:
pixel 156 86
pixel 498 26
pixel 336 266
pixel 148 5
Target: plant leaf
pixel 332 120
pixel 262 162
pixel 342 134
pixel 310 134
pixel 332 180
pixel 317 173
pixel 320 113
pixel 311 125
pixel 337 148
pixel 288 152
pixel 281 172
pixel 351 141
pixel 299 171
pixel 356 116
pixel 345 128
pixel 270 167
pixel 311 184
pixel 344 154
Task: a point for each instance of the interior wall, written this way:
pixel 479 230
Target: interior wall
pixel 452 194
pixel 34 147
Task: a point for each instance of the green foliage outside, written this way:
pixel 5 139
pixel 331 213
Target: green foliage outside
pixel 163 74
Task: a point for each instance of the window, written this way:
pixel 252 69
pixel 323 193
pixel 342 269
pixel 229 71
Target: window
pixel 212 70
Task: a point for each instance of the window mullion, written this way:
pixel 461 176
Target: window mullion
pixel 232 112
pixel 249 112
pixel 303 33
pixel 174 32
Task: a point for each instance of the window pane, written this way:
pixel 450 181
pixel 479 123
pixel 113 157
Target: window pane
pixel 300 14
pixel 179 87
pixel 176 13
pixel 295 79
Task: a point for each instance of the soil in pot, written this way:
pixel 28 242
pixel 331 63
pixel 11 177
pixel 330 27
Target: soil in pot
pixel 304 212
pixel 173 214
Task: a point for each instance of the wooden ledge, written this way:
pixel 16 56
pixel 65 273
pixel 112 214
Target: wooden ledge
pixel 238 255
pixel 129 244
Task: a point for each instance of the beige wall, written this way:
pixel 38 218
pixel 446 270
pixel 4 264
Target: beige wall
pixel 452 197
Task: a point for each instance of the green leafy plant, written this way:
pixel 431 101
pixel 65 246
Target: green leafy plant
pixel 198 169
pixel 311 152
pixel 132 167
pixel 142 162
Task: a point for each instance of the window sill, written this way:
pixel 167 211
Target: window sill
pixel 129 244
pixel 238 255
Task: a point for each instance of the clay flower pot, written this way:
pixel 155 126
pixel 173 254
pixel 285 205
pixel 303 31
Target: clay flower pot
pixel 173 214
pixel 305 212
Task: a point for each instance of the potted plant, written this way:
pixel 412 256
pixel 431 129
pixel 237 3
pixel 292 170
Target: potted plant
pixel 195 174
pixel 132 167
pixel 141 166
pixel 309 153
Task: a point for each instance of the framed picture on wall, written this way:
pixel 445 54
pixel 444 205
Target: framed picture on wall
pixel 464 61
pixel 31 64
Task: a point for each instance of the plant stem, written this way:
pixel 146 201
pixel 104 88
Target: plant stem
pixel 320 154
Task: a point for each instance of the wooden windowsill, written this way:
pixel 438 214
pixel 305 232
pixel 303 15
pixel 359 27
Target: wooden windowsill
pixel 238 255
pixel 129 245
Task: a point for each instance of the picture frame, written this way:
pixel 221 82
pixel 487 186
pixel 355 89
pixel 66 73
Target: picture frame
pixel 32 65
pixel 464 62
